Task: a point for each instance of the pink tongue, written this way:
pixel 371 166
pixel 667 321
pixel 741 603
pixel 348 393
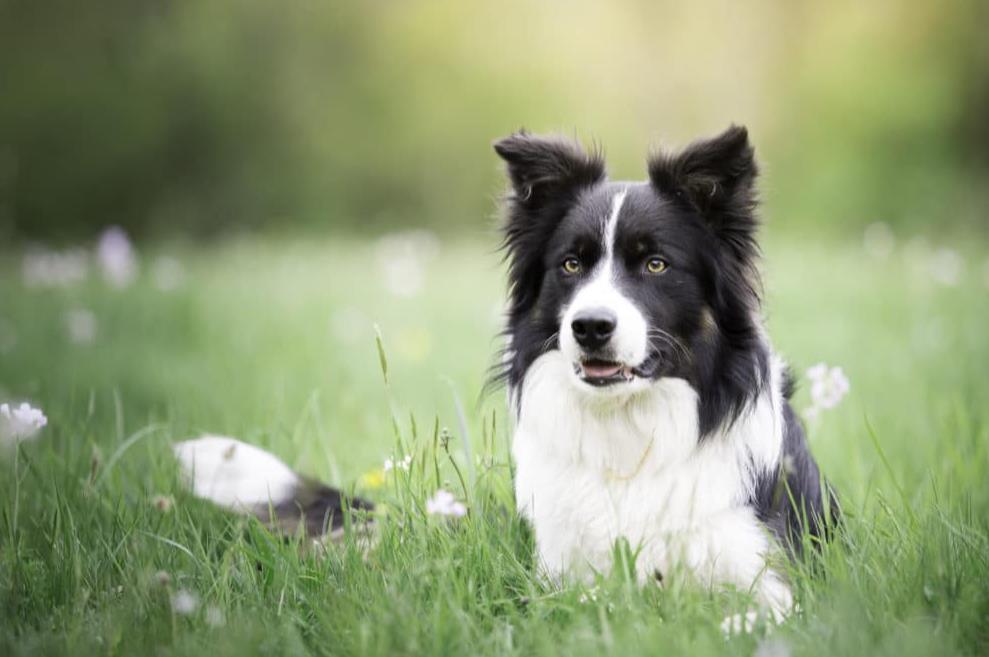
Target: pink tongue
pixel 601 371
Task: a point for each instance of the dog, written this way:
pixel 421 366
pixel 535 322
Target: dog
pixel 648 402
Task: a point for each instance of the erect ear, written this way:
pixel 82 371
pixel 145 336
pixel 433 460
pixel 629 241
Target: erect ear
pixel 547 176
pixel 544 169
pixel 716 177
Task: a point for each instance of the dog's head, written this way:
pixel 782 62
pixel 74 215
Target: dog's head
pixel 633 282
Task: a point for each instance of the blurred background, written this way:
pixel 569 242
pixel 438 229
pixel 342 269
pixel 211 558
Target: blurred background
pixel 207 208
pixel 198 118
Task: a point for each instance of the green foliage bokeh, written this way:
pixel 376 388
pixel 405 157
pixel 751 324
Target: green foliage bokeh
pixel 208 117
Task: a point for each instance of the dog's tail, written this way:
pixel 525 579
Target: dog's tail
pixel 244 478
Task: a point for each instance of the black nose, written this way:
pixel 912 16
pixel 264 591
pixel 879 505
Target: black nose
pixel 593 328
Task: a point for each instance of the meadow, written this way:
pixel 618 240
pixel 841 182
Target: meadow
pixel 339 353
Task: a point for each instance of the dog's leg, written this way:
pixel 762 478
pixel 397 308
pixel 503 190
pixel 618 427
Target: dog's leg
pixel 730 549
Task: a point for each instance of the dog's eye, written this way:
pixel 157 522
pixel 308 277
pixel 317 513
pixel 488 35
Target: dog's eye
pixel 656 265
pixel 571 266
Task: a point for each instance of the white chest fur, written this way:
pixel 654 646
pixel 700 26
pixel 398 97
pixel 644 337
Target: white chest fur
pixel 591 470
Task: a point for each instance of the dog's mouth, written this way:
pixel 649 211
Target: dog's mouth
pixel 600 372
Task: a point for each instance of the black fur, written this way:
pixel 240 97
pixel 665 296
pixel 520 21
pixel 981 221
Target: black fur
pixel 315 508
pixel 547 175
pixel 794 500
pixel 699 211
pixel 700 203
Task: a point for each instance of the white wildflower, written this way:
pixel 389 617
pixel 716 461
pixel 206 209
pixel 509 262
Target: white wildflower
pixel 167 273
pixel 185 602
pixel 214 617
pixel 402 258
pixel 45 268
pixel 828 386
pixel 81 325
pixel 116 256
pixel 946 266
pixel 590 595
pixel 879 240
pixel 19 423
pixel 403 464
pixel 443 503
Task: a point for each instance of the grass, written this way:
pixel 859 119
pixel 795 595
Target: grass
pixel 274 342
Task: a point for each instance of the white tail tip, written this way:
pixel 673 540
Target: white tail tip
pixel 233 474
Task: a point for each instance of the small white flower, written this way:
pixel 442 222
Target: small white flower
pixel 817 372
pixel 443 503
pixel 214 617
pixel 81 325
pixel 391 464
pixel 185 602
pixel 167 273
pixel 828 392
pixel 591 595
pixel 947 266
pixel 163 503
pixel 879 240
pixel 20 422
pixel 117 258
pixel 44 268
pixel 828 386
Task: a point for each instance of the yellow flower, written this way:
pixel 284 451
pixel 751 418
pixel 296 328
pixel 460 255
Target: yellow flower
pixel 373 479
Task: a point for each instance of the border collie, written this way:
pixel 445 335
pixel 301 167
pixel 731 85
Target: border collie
pixel 648 403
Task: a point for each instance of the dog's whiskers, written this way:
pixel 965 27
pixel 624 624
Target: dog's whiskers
pixel 672 341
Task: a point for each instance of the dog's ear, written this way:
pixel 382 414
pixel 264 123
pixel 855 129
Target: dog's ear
pixel 545 170
pixel 716 177
pixel 547 176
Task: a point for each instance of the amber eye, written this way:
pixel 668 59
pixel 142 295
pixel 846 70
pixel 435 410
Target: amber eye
pixel 656 265
pixel 571 266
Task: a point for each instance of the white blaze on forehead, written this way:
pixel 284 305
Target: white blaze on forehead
pixel 629 342
pixel 611 225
